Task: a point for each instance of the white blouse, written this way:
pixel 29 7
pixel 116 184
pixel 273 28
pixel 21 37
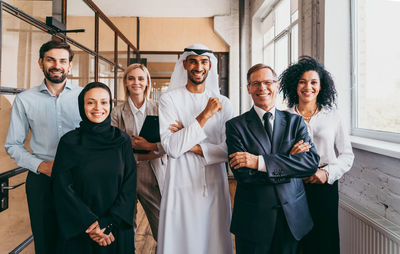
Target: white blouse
pixel 331 141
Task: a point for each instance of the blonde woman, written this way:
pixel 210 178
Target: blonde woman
pixel 130 117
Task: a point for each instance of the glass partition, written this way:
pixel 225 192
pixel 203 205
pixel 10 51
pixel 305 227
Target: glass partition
pixel 160 67
pixel 80 16
pixel 122 53
pixel 82 71
pixel 20 53
pixel 120 86
pixel 127 26
pixel 106 74
pixel 106 41
pixel 37 9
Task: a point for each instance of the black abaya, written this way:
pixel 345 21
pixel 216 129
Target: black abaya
pixel 94 176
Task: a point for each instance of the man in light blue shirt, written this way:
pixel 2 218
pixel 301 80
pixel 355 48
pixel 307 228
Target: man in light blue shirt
pixel 49 111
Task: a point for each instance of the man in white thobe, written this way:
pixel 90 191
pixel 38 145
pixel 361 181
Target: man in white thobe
pixel 195 208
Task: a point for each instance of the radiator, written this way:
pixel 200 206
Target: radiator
pixel 364 232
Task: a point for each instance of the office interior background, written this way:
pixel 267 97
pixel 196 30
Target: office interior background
pixel 355 39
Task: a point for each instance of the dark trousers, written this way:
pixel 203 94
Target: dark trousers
pixel 283 241
pixel 323 201
pixel 42 213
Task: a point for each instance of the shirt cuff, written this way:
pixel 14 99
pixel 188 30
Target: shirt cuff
pixel 261 164
pixel 35 165
pixel 160 149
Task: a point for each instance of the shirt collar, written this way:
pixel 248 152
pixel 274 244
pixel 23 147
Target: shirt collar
pixel 260 112
pixel 134 109
pixel 43 86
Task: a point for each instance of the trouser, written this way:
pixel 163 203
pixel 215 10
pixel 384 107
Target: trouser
pixel 42 213
pixel 323 201
pixel 148 194
pixel 283 241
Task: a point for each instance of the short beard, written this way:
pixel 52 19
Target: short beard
pixel 53 79
pixel 197 82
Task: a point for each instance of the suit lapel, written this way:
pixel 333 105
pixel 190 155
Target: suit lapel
pixel 127 117
pixel 279 129
pixel 257 128
pixel 150 108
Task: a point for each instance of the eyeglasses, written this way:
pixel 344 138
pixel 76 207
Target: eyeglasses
pixel 264 82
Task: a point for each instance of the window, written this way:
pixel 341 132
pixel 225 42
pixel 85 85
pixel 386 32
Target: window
pixel 280 43
pixel 376 75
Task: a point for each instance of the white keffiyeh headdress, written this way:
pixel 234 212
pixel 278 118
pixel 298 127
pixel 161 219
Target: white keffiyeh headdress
pixel 179 76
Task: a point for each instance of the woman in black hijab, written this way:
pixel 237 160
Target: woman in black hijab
pixel 95 181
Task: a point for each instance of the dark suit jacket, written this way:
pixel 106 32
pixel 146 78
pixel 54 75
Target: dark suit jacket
pixel 258 193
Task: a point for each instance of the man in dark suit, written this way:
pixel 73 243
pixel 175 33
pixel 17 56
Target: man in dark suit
pixel 270 213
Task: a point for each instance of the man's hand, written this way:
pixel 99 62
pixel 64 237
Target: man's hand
pixel 197 150
pixel 213 106
pixel 140 143
pixel 320 177
pixel 46 168
pixel 97 234
pixel 300 147
pixel 175 127
pixel 243 159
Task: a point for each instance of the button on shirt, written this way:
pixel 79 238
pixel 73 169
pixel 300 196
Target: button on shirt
pixel 260 112
pixel 47 117
pixel 139 114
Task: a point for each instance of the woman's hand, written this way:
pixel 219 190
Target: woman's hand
pixel 97 234
pixel 140 143
pixel 300 147
pixel 320 177
pixel 175 127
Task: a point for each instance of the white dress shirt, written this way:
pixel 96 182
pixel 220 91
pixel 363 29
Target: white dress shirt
pixel 139 114
pixel 331 141
pixel 260 112
pixel 47 116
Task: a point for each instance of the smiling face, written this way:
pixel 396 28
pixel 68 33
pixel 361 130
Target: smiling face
pixel 55 65
pixel 197 68
pixel 308 87
pixel 97 104
pixel 136 82
pixel 263 88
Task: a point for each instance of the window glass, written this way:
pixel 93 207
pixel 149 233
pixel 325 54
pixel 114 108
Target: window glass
pixel 269 55
pixel 278 47
pixel 82 71
pixel 377 56
pixel 281 54
pixel 122 53
pixel 282 16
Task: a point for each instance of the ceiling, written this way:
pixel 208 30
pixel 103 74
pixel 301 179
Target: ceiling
pixel 154 8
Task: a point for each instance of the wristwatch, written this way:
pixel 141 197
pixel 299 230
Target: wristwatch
pixel 326 173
